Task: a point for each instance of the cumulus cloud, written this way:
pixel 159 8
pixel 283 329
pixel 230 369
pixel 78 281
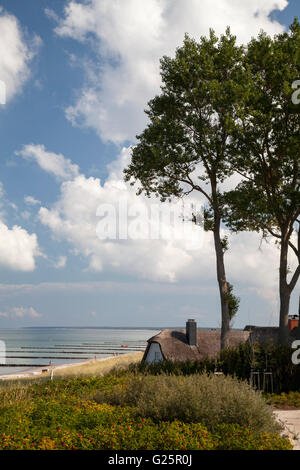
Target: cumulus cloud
pixel 18 248
pixel 20 312
pixel 31 201
pixel 81 207
pixel 73 218
pixel 16 53
pixel 129 39
pixel 61 262
pixel 56 164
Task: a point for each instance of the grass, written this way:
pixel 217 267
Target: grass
pixel 91 368
pixel 101 367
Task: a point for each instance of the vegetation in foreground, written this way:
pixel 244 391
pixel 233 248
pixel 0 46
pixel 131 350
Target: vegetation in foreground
pixel 64 414
pixel 207 399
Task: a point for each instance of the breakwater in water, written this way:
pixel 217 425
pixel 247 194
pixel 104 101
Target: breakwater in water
pixel 27 348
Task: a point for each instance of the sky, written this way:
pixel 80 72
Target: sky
pixel 78 76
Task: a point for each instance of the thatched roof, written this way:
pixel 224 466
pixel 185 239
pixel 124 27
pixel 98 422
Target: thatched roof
pixel 174 345
pixel 264 334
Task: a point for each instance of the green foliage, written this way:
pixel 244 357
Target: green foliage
pixel 240 360
pixel 234 437
pixel 237 362
pixel 186 145
pixel 172 367
pixel 233 301
pixel 191 120
pixel 265 151
pixel 208 399
pixel 59 414
pixel 284 400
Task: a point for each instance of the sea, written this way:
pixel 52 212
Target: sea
pixel 26 348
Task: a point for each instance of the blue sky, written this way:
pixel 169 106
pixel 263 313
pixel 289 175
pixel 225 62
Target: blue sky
pixel 78 76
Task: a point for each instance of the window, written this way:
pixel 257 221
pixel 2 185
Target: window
pixel 156 356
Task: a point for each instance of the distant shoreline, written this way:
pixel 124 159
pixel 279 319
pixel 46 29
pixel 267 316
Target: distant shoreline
pixel 132 328
pixel 87 367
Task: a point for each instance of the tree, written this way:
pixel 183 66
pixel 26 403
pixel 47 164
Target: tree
pixel 186 145
pixel 266 153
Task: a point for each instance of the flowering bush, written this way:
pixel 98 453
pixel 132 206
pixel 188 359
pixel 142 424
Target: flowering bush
pixel 60 415
pixel 236 437
pixel 285 400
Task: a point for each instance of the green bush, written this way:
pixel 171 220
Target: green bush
pixel 206 399
pixel 59 415
pixel 284 400
pixel 173 367
pixel 234 437
pixel 237 362
pixel 129 434
pixel 278 358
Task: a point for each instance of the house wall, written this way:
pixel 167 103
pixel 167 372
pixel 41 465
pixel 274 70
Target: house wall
pixel 154 353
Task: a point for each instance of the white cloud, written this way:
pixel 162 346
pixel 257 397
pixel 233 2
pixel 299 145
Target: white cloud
pixel 105 287
pixel 73 219
pixel 130 37
pixel 31 201
pixel 53 163
pixel 61 262
pixel 25 215
pixel 18 248
pixel 5 203
pixel 2 192
pixel 20 312
pixel 16 53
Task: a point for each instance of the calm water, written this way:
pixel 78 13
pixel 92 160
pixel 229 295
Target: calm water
pixel 33 347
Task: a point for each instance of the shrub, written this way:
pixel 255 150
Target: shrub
pixel 208 399
pixel 172 367
pixel 237 362
pixel 58 415
pixel 234 437
pixel 104 427
pixel 284 400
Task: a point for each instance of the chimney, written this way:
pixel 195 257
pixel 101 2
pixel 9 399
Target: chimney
pixel 191 332
pixel 293 322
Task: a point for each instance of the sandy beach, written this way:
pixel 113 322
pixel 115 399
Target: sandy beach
pixel 97 366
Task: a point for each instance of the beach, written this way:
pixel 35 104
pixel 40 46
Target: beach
pixel 88 367
pixel 30 350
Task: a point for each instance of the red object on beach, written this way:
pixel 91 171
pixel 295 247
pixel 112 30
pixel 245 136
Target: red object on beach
pixel 124 346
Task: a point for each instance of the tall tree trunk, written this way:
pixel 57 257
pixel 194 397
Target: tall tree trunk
pixel 284 291
pixel 285 288
pixel 223 286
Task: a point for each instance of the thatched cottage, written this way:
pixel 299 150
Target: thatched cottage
pixel 192 344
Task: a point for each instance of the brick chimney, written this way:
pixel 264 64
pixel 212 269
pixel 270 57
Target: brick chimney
pixel 293 322
pixel 191 332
